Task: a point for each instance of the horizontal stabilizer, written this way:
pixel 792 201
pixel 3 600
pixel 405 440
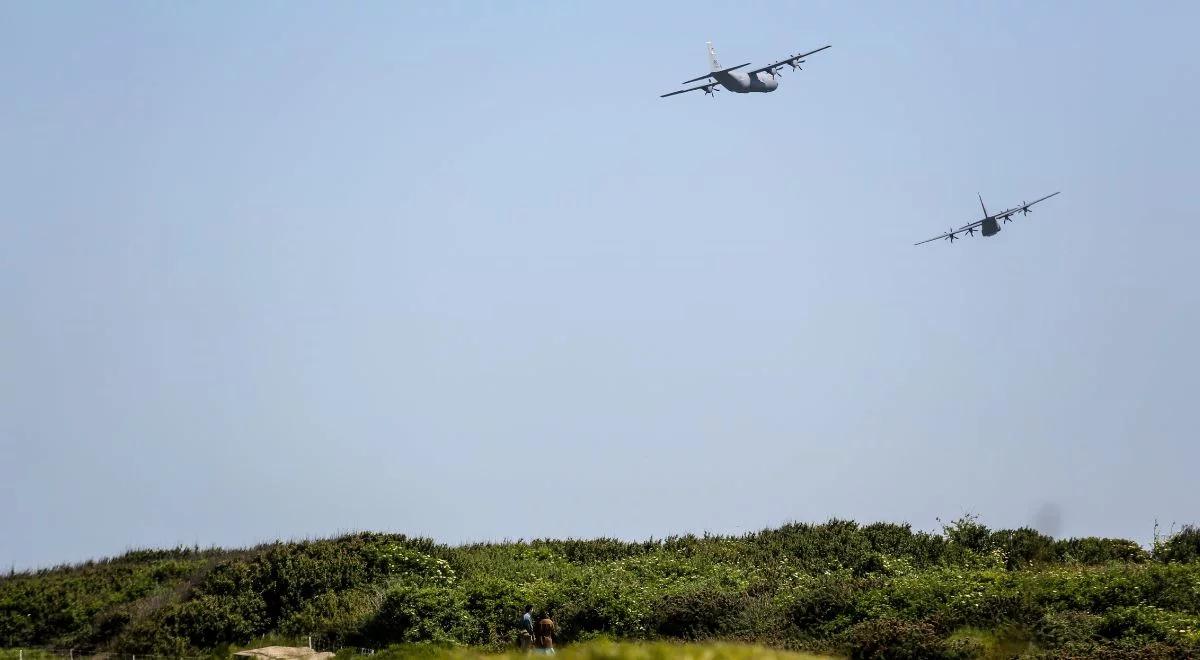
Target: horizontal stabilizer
pixel 709 75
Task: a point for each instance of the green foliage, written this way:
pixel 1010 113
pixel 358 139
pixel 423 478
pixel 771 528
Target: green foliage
pixel 897 639
pixel 967 532
pixel 699 613
pixel 596 650
pixel 880 590
pixel 336 617
pixel 1092 550
pixel 409 564
pixel 1024 547
pixel 825 604
pixel 1061 629
pixel 1182 547
pixel 1147 623
pixel 420 614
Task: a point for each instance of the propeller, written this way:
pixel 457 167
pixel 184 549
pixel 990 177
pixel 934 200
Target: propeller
pixel 951 237
pixel 1025 207
pixel 775 72
pixel 709 89
pixel 1006 218
pixel 795 64
pixel 971 230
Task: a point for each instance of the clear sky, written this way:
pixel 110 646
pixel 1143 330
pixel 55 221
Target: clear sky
pixel 454 269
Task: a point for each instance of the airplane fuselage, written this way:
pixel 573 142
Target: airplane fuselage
pixel 990 227
pixel 743 83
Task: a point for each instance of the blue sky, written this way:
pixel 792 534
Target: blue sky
pixel 454 269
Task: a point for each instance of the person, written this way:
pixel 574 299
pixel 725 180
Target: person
pixel 526 638
pixel 544 634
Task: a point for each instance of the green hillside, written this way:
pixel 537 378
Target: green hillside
pixel 878 590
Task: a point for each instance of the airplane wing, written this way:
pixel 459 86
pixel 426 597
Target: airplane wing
pixel 1018 209
pixel 1007 212
pixel 952 233
pixel 708 89
pixel 794 61
pixel 710 75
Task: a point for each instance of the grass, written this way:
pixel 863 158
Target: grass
pixel 1000 643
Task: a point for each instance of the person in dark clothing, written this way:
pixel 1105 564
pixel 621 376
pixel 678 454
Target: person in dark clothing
pixel 543 634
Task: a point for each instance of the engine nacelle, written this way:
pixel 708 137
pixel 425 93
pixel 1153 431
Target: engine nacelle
pixel 765 82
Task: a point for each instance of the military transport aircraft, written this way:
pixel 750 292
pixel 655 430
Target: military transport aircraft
pixel 988 226
pixel 765 79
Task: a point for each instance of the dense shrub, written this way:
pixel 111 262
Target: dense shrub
pixel 879 590
pixel 1093 550
pixel 896 639
pixel 967 532
pixel 209 621
pixel 1057 629
pixel 336 618
pixel 1146 623
pixel 1181 547
pixel 1114 651
pixel 1023 547
pixel 421 614
pixel 826 605
pixel 695 614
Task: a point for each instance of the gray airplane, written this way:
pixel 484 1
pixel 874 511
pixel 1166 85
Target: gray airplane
pixel 765 79
pixel 988 226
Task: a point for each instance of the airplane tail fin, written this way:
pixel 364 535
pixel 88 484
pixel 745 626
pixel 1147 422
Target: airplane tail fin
pixel 981 205
pixel 712 58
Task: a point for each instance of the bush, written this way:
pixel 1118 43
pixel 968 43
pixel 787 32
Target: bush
pixel 826 605
pixel 897 639
pixel 209 621
pixel 1023 547
pixel 494 606
pixel 695 614
pixel 1182 547
pixel 967 532
pixel 1092 550
pixel 1057 629
pixel 150 637
pixel 337 618
pixel 421 614
pixel 798 585
pixel 1146 623
pixel 1115 651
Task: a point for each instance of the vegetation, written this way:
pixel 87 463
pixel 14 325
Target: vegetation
pixel 604 650
pixel 873 591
